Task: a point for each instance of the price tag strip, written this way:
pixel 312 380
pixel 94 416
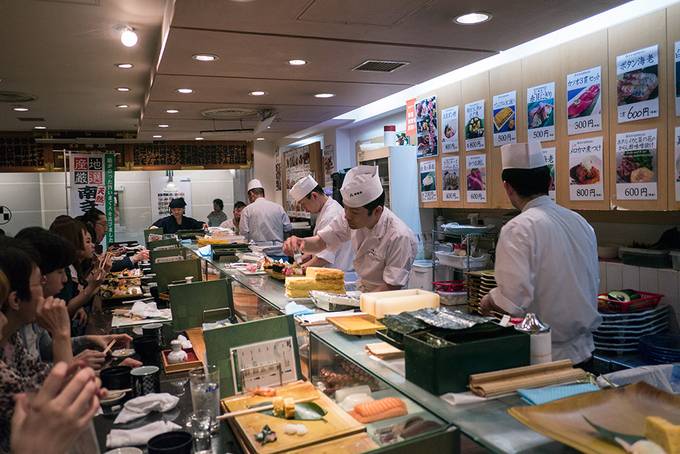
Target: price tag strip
pixel 268 363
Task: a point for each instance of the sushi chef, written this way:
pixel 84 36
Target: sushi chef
pixel 262 220
pixel 546 259
pixel 384 246
pixel 177 221
pixel 310 196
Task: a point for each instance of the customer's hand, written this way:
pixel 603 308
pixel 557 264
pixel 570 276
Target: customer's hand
pixel 131 362
pixel 140 256
pixel 94 280
pixel 54 417
pixel 52 315
pixel 92 358
pixel 122 340
pixel 80 316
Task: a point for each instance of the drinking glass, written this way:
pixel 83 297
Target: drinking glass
pixel 199 425
pixel 205 391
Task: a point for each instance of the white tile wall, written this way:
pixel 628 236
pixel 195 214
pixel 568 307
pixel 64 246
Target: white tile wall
pixel 649 279
pixel 603 277
pixel 614 276
pixel 631 277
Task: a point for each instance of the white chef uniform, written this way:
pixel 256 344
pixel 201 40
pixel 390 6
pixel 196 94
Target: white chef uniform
pixel 341 256
pixel 263 220
pixel 546 263
pixel 385 253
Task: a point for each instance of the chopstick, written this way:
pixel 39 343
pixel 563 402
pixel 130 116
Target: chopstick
pixel 108 347
pixel 102 264
pixel 260 408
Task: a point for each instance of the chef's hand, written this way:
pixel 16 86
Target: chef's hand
pixel 487 306
pixel 293 245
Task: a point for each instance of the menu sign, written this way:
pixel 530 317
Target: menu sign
pixel 92 186
pixel 450 128
pixel 677 163
pixel 586 169
pixel 677 78
pixel 426 127
pixel 504 121
pixel 549 155
pixel 451 179
pixel 411 119
pixel 637 84
pixel 474 126
pixel 541 112
pixel 584 101
pixel 636 165
pixel 428 181
pixel 476 178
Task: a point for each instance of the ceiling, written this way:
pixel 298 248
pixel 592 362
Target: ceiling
pixel 64 52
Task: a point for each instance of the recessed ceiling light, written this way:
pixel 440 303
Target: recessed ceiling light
pixel 124 65
pixel 205 57
pixel 324 95
pixel 198 138
pixel 39 127
pixel 171 111
pixel 473 18
pixel 128 37
pixel 185 91
pixel 122 106
pixel 260 138
pixel 163 126
pixel 297 62
pixel 157 136
pixel 20 109
pixel 258 93
pixel 122 88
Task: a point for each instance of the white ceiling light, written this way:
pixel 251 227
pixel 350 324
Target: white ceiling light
pixel 128 37
pixel 296 62
pixel 257 93
pixel 198 138
pixel 122 106
pixel 205 57
pixel 172 111
pixel 157 136
pixel 39 127
pixel 20 109
pixel 123 89
pixel 184 91
pixel 163 126
pixel 472 18
pixel 260 138
pixel 324 95
pixel 124 65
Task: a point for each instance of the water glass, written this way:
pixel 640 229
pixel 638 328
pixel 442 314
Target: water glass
pixel 199 424
pixel 205 391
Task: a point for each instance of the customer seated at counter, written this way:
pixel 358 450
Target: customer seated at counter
pixel 217 216
pixel 177 221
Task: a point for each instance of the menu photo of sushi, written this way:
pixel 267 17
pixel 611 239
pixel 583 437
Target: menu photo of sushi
pixel 637 84
pixel 584 101
pixel 504 121
pixel 474 126
pixel 426 127
pixel 451 179
pixel 476 178
pixel 541 112
pixel 450 130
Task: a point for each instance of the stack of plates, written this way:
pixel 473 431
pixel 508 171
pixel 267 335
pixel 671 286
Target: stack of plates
pixel 479 284
pixel 620 333
pixel 660 349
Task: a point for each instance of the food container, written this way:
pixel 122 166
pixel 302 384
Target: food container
pixel 453 298
pixel 462 262
pixel 675 257
pixel 649 258
pixel 647 301
pixel 421 275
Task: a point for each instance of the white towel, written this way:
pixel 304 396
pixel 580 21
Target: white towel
pixel 143 405
pixel 119 438
pixel 145 310
pixel 186 343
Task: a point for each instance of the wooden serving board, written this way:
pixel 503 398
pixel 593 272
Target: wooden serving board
pixel 356 325
pixel 336 424
pixel 354 444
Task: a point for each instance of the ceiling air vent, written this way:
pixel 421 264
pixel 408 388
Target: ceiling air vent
pixel 380 66
pixel 31 119
pixel 229 113
pixel 16 97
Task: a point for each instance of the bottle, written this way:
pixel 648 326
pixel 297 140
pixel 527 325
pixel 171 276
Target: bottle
pixel 390 135
pixel 177 355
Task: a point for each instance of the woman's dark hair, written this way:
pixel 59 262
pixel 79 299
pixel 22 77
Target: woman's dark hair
pixel 54 251
pixel 71 230
pixel 528 182
pixel 17 260
pixel 219 203
pixel 380 201
pixel 318 189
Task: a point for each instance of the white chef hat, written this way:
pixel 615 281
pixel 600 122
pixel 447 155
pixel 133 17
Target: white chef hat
pixel 254 184
pixel 302 188
pixel 361 186
pixel 522 155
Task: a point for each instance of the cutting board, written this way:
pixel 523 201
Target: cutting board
pixel 337 423
pixel 354 444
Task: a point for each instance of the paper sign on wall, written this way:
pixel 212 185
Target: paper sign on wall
pixel 677 164
pixel 450 130
pixel 637 84
pixel 476 178
pixel 584 101
pixel 474 126
pixel 451 179
pixel 549 155
pixel 636 165
pixel 428 181
pixel 677 78
pixel 541 112
pixel 411 118
pixel 504 120
pixel 426 127
pixel 586 169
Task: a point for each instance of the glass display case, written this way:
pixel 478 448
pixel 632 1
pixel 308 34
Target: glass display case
pixel 351 386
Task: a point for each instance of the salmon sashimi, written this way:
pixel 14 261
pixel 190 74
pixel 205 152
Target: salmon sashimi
pixel 389 407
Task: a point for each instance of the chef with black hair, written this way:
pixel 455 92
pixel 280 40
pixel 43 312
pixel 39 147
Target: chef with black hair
pixel 177 221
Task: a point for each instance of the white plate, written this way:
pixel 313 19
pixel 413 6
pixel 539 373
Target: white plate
pixel 123 352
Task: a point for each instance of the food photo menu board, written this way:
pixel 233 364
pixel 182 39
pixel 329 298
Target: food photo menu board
pixel 476 178
pixel 426 127
pixel 541 112
pixel 428 181
pixel 586 169
pixel 474 126
pixel 451 179
pixel 584 101
pixel 504 120
pixel 549 155
pixel 637 169
pixel 450 130
pixel 637 84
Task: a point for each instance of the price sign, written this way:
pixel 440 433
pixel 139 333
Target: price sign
pixel 476 178
pixel 636 165
pixel 584 101
pixel 586 170
pixel 451 179
pixel 637 84
pixel 504 118
pixel 541 112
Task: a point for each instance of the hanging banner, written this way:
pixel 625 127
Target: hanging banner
pixel 450 128
pixel 541 112
pixel 637 84
pixel 426 127
pixel 328 165
pixel 163 191
pixel 586 169
pixel 411 120
pixel 677 164
pixel 636 165
pixel 549 155
pixel 88 188
pixel 451 179
pixel 677 78
pixel 584 103
pixel 277 172
pixel 476 178
pixel 504 110
pixel 111 196
pixel 474 126
pixel 428 181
